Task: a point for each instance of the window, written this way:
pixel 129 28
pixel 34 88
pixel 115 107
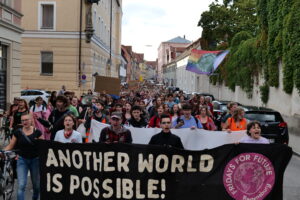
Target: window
pixel 47 18
pixel 37 93
pixel 47 63
pixel 7 2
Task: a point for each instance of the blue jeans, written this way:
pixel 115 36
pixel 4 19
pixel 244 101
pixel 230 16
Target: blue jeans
pixel 23 166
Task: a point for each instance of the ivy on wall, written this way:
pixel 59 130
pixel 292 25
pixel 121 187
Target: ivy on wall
pixel 291 48
pixel 276 40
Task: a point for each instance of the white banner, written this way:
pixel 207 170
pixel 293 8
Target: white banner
pixel 197 139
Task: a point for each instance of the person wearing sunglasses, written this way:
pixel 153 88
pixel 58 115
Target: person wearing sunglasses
pixel 116 132
pixel 165 137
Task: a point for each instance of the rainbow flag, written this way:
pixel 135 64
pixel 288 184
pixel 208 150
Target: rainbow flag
pixel 205 62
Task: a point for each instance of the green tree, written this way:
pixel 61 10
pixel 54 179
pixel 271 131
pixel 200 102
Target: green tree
pixel 222 21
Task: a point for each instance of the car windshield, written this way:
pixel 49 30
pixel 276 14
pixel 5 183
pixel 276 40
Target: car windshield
pixel 223 108
pixel 265 117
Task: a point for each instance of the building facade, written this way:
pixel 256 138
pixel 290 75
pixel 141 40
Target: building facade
pixel 69 43
pixel 175 73
pixel 168 51
pixel 10 50
pixel 151 70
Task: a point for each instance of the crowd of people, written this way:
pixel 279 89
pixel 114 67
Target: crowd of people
pixel 67 118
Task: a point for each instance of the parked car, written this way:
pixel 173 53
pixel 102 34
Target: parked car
pixel 250 108
pixel 220 110
pixel 273 127
pixel 30 95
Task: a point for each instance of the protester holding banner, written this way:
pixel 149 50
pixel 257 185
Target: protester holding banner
pixel 24 140
pixel 205 119
pixel 253 134
pixel 237 122
pixel 116 132
pixel 68 134
pixel 165 137
pixel 187 120
pixel 137 120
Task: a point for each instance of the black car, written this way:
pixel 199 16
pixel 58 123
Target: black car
pixel 273 127
pixel 220 110
pixel 250 108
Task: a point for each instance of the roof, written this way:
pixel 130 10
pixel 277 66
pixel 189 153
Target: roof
pixel 179 40
pixel 139 57
pixel 152 64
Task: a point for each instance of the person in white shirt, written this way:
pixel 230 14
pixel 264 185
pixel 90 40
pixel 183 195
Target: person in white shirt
pixel 38 106
pixel 39 110
pixel 68 134
pixel 253 134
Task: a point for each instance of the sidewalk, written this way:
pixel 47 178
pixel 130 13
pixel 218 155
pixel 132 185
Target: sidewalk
pixel 294 142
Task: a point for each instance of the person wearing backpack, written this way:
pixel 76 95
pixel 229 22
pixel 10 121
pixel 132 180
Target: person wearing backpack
pixel 187 120
pixel 55 120
pixel 38 110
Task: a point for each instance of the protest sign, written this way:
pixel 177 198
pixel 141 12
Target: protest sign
pixel 133 84
pixel 126 171
pixel 191 139
pixel 109 84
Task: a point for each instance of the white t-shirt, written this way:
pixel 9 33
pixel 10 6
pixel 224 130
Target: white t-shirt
pixel 38 108
pixel 248 139
pixel 74 138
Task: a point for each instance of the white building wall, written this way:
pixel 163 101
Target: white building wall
pixel 287 105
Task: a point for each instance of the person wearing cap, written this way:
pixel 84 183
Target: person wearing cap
pixel 116 132
pixel 187 120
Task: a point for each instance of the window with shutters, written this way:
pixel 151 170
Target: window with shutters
pixel 47 15
pixel 47 63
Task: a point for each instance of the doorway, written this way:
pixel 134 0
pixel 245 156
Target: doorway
pixel 3 76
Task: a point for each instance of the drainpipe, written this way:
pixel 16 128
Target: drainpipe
pixel 111 2
pixel 80 36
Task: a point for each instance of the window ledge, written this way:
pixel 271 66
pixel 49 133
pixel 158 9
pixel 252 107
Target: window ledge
pixel 46 74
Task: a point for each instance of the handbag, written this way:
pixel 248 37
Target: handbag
pixel 81 128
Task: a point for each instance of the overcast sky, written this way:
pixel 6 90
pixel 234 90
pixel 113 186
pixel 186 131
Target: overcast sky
pixel 147 23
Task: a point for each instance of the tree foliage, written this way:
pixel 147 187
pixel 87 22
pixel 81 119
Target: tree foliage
pixel 260 34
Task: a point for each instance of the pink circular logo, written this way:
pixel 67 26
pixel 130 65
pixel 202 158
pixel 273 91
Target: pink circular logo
pixel 249 176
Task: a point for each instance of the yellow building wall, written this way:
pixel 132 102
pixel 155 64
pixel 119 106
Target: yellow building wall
pixel 65 51
pixel 67 15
